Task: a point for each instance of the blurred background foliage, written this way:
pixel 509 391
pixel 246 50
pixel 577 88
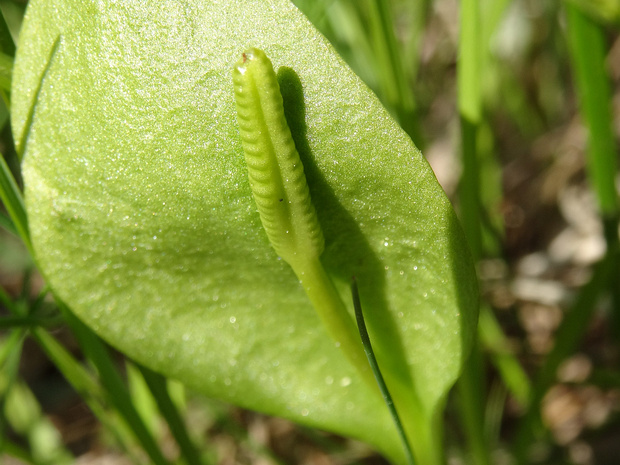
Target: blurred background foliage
pixel 515 105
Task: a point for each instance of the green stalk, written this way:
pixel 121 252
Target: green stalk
pixel 470 386
pixel 11 197
pixel 280 190
pixel 333 314
pixel 159 389
pixel 392 78
pixel 7 50
pixel 588 49
pixel 6 72
pixel 372 360
pixel 493 339
pixel 97 353
pixel 84 384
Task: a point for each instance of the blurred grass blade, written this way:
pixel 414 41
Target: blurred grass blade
pixel 6 72
pixel 494 412
pixel 471 399
pixel 11 197
pixel 394 84
pixel 348 30
pixel 601 10
pixel 7 44
pixel 470 62
pixel 588 50
pixel 419 12
pixel 470 110
pixel 142 398
pixel 158 386
pixel 469 194
pixel 7 52
pixel 5 299
pixel 98 354
pixel 13 15
pixel 470 386
pixel 83 383
pixel 10 347
pixel 10 353
pixel 7 224
pixel 479 164
pixel 493 339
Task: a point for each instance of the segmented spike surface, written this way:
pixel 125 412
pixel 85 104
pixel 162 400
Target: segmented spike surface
pixel 275 171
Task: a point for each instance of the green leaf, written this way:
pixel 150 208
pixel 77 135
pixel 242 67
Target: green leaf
pixel 142 219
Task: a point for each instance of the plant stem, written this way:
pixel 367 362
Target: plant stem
pixel 418 423
pixel 333 314
pixel 372 360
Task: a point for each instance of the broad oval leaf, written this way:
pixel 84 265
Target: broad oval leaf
pixel 142 218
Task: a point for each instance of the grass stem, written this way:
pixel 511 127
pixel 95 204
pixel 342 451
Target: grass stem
pixel 359 316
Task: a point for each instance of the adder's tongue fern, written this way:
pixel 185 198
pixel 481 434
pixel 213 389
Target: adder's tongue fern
pixel 281 193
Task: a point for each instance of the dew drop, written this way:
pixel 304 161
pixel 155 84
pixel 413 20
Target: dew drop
pixel 233 319
pixel 305 412
pixel 346 381
pixel 329 380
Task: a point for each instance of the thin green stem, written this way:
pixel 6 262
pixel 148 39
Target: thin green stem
pixel 85 385
pixel 372 360
pixel 11 197
pixel 333 314
pixel 470 384
pixel 159 389
pixel 111 380
pixel 493 340
pixel 392 78
pixel 588 49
